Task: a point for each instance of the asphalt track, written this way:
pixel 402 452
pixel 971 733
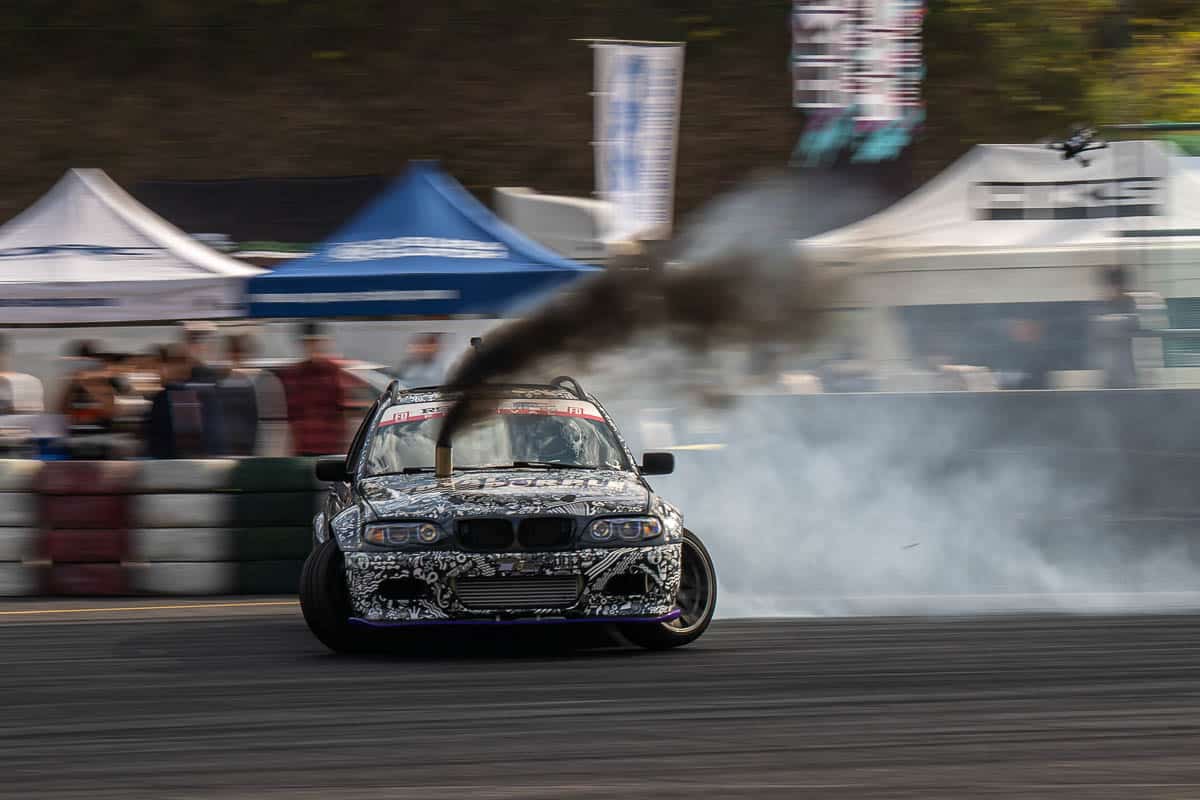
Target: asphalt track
pixel 216 700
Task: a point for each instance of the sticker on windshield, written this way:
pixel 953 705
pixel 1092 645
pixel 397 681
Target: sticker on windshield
pixel 551 408
pixel 414 412
pixel 419 412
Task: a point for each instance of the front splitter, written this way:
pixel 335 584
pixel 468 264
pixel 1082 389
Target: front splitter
pixel 422 623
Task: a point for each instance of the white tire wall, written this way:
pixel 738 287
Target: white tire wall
pixel 185 475
pixel 20 534
pixel 181 544
pixel 17 475
pixel 195 578
pixel 18 510
pixel 206 510
pixel 17 580
pixel 18 544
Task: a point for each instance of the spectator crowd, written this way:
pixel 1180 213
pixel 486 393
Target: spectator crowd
pixel 201 396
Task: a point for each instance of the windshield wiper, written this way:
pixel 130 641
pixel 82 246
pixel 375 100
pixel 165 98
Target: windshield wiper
pixel 550 465
pixel 419 470
pixel 519 464
pixel 404 471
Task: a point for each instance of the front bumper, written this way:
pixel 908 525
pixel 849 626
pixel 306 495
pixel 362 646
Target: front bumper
pixel 436 574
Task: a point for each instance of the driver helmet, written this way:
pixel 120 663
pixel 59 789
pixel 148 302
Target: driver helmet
pixel 557 439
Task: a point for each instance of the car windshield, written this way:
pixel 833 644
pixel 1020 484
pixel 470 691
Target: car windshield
pixel 532 433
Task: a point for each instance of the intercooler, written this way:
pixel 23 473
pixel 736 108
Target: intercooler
pixel 534 591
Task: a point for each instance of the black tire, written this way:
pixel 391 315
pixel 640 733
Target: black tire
pixel 325 601
pixel 697 591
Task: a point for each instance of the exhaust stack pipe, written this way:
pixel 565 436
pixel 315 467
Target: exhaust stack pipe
pixel 443 464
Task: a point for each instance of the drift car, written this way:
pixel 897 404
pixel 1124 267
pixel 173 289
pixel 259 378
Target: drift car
pixel 536 513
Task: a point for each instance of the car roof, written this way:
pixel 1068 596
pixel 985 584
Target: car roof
pixel 422 394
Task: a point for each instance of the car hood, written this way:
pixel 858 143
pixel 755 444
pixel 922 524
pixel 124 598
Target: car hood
pixel 515 492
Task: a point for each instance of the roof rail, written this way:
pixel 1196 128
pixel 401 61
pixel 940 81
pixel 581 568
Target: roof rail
pixel 572 385
pixel 564 382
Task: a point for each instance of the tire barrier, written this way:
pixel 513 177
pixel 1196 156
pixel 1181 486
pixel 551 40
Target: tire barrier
pixel 18 552
pixel 18 580
pixel 273 475
pixel 271 522
pixel 201 510
pixel 156 546
pixel 85 546
pixel 17 510
pixel 180 537
pixel 179 527
pixel 19 536
pixel 185 475
pixel 84 513
pixel 283 543
pixel 217 578
pixel 74 478
pixel 268 577
pixel 18 545
pixel 183 578
pixel 273 509
pixel 86 580
pixel 18 475
pixel 206 527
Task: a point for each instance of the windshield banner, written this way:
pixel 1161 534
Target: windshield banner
pixel 419 412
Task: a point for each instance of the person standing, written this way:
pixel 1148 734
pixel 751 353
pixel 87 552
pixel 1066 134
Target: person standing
pixel 19 393
pixel 421 367
pixel 315 397
pixel 1028 355
pixel 1113 330
pixel 88 402
pixel 202 380
pixel 197 339
pixel 175 422
pixel 238 399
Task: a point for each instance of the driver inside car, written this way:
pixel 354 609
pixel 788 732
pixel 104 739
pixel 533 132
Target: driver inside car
pixel 554 439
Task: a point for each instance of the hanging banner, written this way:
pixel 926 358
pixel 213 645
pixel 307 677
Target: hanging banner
pixel 857 70
pixel 821 56
pixel 638 90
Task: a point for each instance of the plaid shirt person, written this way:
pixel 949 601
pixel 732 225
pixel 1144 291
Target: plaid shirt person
pixel 315 399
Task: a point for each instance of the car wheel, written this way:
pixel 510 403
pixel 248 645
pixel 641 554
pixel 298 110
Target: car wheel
pixel 697 599
pixel 325 601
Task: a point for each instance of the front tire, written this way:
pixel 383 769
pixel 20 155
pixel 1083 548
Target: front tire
pixel 325 601
pixel 697 600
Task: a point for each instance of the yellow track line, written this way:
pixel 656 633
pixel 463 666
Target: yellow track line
pixel 149 608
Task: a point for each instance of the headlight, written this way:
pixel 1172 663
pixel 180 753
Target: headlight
pixel 403 534
pixel 624 530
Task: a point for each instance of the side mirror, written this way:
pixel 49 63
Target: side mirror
pixel 658 463
pixel 332 469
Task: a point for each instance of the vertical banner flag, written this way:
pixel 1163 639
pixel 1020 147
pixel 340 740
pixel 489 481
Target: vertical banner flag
pixel 821 35
pixel 638 90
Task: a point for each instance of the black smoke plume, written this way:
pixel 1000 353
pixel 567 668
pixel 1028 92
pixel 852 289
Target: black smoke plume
pixel 734 279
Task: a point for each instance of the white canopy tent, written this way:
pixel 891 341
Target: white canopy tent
pixel 1017 223
pixel 87 252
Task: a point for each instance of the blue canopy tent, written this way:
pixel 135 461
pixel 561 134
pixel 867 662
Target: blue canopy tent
pixel 425 247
